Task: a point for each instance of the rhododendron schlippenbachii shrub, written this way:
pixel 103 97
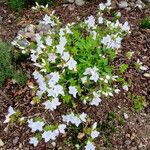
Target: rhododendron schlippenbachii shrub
pixel 73 66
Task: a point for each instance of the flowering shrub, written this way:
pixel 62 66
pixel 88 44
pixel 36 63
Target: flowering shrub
pixel 73 65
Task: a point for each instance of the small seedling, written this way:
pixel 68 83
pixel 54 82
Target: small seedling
pixel 139 102
pixel 145 23
pixel 129 55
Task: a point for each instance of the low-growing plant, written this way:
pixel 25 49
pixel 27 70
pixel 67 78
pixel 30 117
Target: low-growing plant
pixel 7 66
pixel 123 68
pixel 145 23
pixel 108 128
pixel 20 77
pixel 19 5
pixel 139 102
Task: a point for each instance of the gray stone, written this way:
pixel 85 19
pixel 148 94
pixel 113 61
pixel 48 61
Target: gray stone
pixel 147 75
pixel 30 28
pixel 139 2
pixel 80 2
pixel 43 28
pixel 139 6
pixel 15 140
pixel 132 4
pixel 71 7
pixel 123 4
pixel 1 19
pixel 127 142
pixel 125 116
pixel 70 1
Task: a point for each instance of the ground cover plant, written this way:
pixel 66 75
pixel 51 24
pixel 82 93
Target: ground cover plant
pixel 8 67
pixel 19 5
pixel 73 67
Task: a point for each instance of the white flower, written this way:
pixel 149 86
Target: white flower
pixel 55 90
pixel 90 21
pixel 68 30
pixel 71 64
pixel 117 91
pixel 107 77
pixel 125 26
pixel 93 72
pixel 108 3
pixel 106 40
pixel 58 89
pixel 94 126
pixel 47 20
pixel 35 126
pixel 53 104
pixel 39 41
pixel 100 20
pixel 59 49
pixel 96 100
pixel 65 56
pixel 84 79
pixel 102 6
pixel 52 57
pixel 83 117
pixel 94 134
pixel 49 41
pixel 33 141
pixel 89 146
pixel 125 87
pixel 62 128
pixel 50 135
pixel 63 41
pixel 74 119
pixel 53 78
pixel 10 112
pixel 125 116
pixel 73 91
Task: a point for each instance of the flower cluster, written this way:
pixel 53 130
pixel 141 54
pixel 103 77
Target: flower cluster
pixel 77 120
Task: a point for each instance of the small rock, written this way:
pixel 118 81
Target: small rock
pixel 70 1
pixel 71 7
pixel 1 19
pixel 133 136
pixel 132 4
pixel 29 35
pixel 147 75
pixel 1 143
pixel 140 4
pixel 30 28
pixel 134 148
pixel 80 135
pixel 125 116
pixel 53 143
pixel 123 4
pixel 80 2
pixel 127 142
pixel 15 140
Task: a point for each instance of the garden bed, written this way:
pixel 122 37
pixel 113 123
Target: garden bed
pixel 122 127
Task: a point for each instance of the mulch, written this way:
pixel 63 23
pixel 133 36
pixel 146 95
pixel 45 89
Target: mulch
pixel 133 135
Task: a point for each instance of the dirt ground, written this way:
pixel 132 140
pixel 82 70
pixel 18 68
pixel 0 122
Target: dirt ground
pixel 134 134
